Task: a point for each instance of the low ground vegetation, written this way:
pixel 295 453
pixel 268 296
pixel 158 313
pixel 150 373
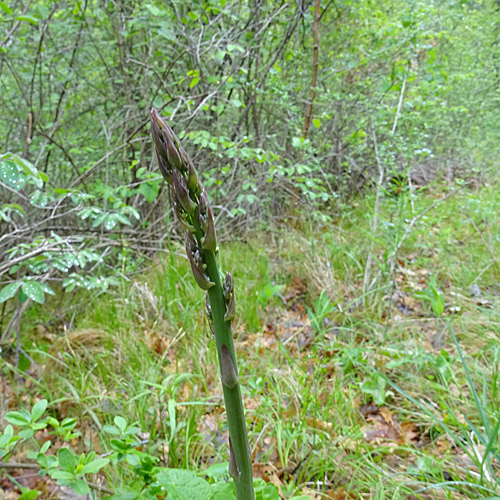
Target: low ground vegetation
pixel 383 392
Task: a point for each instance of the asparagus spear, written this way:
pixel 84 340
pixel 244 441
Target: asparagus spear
pixel 195 214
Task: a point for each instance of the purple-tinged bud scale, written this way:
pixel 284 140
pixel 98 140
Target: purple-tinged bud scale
pixel 228 372
pixel 230 309
pixel 194 257
pixel 210 240
pixel 228 285
pixel 233 466
pixel 182 193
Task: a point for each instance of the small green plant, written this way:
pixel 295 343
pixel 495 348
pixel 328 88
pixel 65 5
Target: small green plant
pixel 8 441
pixel 149 482
pixel 266 292
pixel 126 442
pixel 319 316
pixel 477 437
pixel 29 422
pixel 433 296
pixel 375 386
pixel 70 469
pixel 67 468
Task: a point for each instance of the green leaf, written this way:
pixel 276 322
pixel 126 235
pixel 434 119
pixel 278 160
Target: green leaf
pixel 223 491
pixel 5 8
pixel 94 466
pixel 29 494
pixel 9 174
pixel 155 11
pixel 38 410
pixel 132 459
pixel 19 418
pixel 184 485
pixel 26 433
pixel 126 495
pixel 80 487
pixel 9 291
pixel 30 19
pixel 166 32
pixel 111 429
pixel 194 81
pixel 46 289
pixel 265 491
pixel 148 191
pixel 121 218
pixel 121 423
pixel 61 474
pixel 45 446
pixel 375 386
pixel 29 170
pixel 66 459
pixel 69 423
pixel 317 123
pixel 217 470
pixel 34 291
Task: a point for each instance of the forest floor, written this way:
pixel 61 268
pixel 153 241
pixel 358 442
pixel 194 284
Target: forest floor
pixel 357 385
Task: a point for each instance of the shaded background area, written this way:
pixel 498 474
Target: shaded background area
pixel 280 105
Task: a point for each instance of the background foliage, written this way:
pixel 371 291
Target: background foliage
pixel 295 114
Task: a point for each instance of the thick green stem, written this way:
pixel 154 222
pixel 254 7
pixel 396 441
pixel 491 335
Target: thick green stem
pixel 191 205
pixel 243 478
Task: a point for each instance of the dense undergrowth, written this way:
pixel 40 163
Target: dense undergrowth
pixel 385 390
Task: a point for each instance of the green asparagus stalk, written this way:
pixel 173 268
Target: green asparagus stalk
pixel 195 214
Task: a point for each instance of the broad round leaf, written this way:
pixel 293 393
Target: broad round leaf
pixel 17 418
pixel 34 291
pixel 9 174
pixel 9 291
pixel 67 460
pixel 184 485
pixel 94 466
pixel 38 410
pixel 80 487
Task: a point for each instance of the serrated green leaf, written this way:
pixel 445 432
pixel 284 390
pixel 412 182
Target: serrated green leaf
pixel 184 485
pixel 9 291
